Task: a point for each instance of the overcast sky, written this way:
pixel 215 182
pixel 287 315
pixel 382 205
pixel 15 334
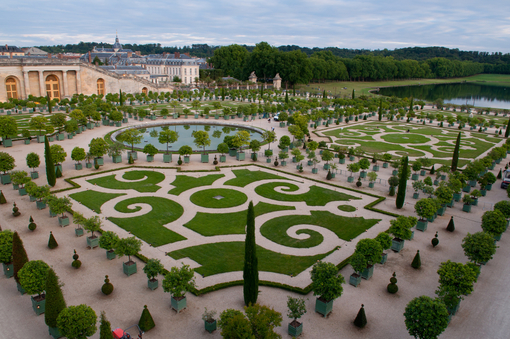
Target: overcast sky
pixel 369 24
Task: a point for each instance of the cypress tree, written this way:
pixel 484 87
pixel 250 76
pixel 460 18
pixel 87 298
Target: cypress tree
pixel 52 243
pixel 105 329
pixel 146 322
pixel 55 302
pixel 455 159
pixel 451 225
pixel 50 167
pixel 361 318
pixel 121 99
pixel 19 255
pixel 328 176
pixel 417 260
pixel 286 97
pixel 49 102
pixel 500 175
pixel 411 110
pixel 402 185
pixel 353 95
pixel 507 131
pixel 250 271
pixel 324 95
pixel 380 109
pixel 432 170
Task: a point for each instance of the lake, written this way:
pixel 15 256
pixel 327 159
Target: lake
pixel 458 93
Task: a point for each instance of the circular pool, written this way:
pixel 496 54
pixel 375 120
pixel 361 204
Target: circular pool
pixel 217 132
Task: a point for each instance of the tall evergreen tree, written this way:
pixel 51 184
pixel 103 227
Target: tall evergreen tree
pixel 411 110
pixel 50 167
pixel 121 98
pixel 105 329
pixel 287 97
pixel 380 109
pixel 55 302
pixel 402 185
pixel 19 255
pixel 324 95
pixel 49 102
pixel 353 95
pixel 507 131
pixel 455 158
pixel 251 271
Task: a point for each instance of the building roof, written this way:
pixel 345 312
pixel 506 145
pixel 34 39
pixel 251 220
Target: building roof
pixel 34 51
pixel 8 49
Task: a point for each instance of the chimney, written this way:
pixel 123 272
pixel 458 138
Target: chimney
pixel 138 53
pixel 187 53
pixel 49 55
pixel 59 55
pixel 28 53
pixel 130 54
pixel 90 58
pixel 6 47
pixel 177 55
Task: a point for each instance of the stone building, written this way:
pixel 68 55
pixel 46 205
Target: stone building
pixel 11 51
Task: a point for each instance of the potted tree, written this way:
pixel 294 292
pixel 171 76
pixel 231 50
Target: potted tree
pixel 353 168
pixel 167 136
pixel 416 168
pixel 8 128
pixel 150 151
pixel 255 147
pixel 202 140
pixel 468 201
pixel 425 317
pixel 6 252
pixel 364 164
pixel 128 246
pixel 77 321
pixel 494 223
pixel 78 154
pixel 152 268
pixel 418 185
pixel 177 282
pixel 79 220
pixel 491 179
pixel 97 148
pixel 61 206
pixel 425 209
pixel 384 240
pixel 327 285
pixel 327 156
pixel 131 137
pixel 40 193
pixel 223 149
pixel 58 155
pixel 6 165
pixel 54 303
pixel 32 277
pixel 115 152
pixel 296 308
pixel 33 161
pixel 185 151
pixel 108 241
pixel 358 263
pixel 387 158
pixel 444 195
pixel 372 177
pixel 479 247
pixel 20 178
pixel 504 207
pixel 475 194
pixel 371 249
pixel 210 323
pixel 92 224
pixel 401 230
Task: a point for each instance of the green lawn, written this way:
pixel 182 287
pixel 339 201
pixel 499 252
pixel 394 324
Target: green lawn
pixel 381 147
pixel 229 198
pixel 184 182
pixel 93 199
pixel 149 227
pixel 229 257
pixel 148 185
pixel 245 177
pixel 405 138
pixel 347 208
pixel 345 228
pixel 211 224
pixel 316 196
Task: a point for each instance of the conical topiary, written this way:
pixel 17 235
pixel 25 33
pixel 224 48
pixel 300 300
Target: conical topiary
pixel 328 177
pixel 32 225
pixel 105 329
pixel 498 177
pixel 146 322
pixel 19 255
pixel 55 302
pixel 107 287
pixel 416 261
pixel 435 240
pixel 76 263
pixel 15 210
pixel 451 225
pixel 392 286
pixel 58 172
pixel 2 198
pixel 131 160
pixel 52 243
pixel 392 191
pixel 361 318
pixel 432 170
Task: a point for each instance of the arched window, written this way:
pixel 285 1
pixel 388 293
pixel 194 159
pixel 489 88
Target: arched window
pixel 12 88
pixel 52 87
pixel 100 86
pixel 144 90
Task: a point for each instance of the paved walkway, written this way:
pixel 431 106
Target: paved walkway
pixel 481 315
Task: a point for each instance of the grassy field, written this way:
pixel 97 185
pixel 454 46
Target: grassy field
pixel 93 199
pixel 229 257
pixel 148 185
pixel 225 198
pixel 245 177
pixel 184 182
pixel 316 196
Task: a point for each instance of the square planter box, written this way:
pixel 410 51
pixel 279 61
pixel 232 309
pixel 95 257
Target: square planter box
pixel 315 170
pixel 268 160
pixel 22 191
pixel 466 208
pixel 152 284
pixel 370 184
pixel 375 168
pixel 78 166
pixel 232 152
pixel 284 163
pixel 167 158
pixel 50 139
pixel 204 158
pixel 88 165
pixel 55 332
pixel 295 331
pixel 5 178
pixel 351 158
pixel 60 136
pixel 466 189
pixel 186 159
pixel 385 165
pixel 394 172
pixel 421 225
pixel 223 158
pixel 384 258
pixel 368 272
pixel 99 161
pixel 117 159
pixel 423 172
pixel 341 161
pixel 416 195
pixel 92 242
pixel 397 245
pixel 79 232
pixel 40 138
pixel 32 199
pixel 178 305
pixel 150 158
pixel 110 255
pixel 133 154
pixel 40 205
pixel 441 210
pixel 326 166
pixel 7 142
pixel 118 123
pixel 27 141
pixel 363 174
pixel 210 326
pixel 8 270
pixel 323 307
pixel 415 176
pixel 350 179
pixel 20 289
pixel 63 221
pixel 38 305
pixel 129 268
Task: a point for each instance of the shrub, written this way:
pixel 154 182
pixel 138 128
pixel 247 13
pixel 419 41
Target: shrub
pixel 417 260
pixel 52 243
pixel 76 263
pixel 55 302
pixel 451 225
pixel 33 276
pixel 426 317
pixel 77 321
pixel 108 240
pixel 392 286
pixel 435 240
pixel 479 247
pixel 325 282
pixel 32 225
pixel 361 318
pixel 6 246
pixel 146 322
pixel 107 287
pixel 152 268
pixel 105 329
pixel 19 255
pixel 15 210
pixel 2 198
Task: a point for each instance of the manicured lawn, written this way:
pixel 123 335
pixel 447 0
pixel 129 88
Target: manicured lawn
pixel 226 198
pixel 345 228
pixel 149 227
pixel 210 224
pixel 245 177
pixel 405 138
pixel 93 199
pixel 316 196
pixel 347 208
pixel 381 147
pixel 229 257
pixel 148 185
pixel 184 182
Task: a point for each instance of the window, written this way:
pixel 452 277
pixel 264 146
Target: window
pixel 12 89
pixel 185 71
pixel 144 90
pixel 52 87
pixel 100 86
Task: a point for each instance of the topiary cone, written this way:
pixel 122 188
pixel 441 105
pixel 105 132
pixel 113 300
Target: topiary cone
pixel 2 198
pixel 19 255
pixel 328 177
pixel 52 243
pixel 105 329
pixel 416 261
pixel 361 319
pixel 58 173
pixel 392 191
pixel 499 174
pixel 432 170
pixel 451 225
pixel 435 241
pixel 107 287
pixel 146 322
